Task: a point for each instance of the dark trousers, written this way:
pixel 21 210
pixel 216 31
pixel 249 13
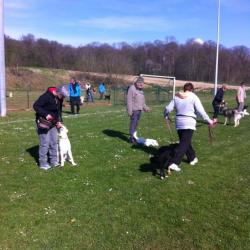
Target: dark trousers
pixel 216 106
pixel 184 147
pixel 134 119
pixel 101 95
pixel 75 101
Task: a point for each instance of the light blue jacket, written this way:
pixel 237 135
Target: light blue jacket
pixel 78 90
pixel 102 88
pixel 187 106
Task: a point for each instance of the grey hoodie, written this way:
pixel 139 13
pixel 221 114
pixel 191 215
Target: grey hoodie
pixel 135 100
pixel 187 106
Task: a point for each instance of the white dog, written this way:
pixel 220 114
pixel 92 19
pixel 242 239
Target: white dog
pixel 145 142
pixel 64 146
pixel 238 115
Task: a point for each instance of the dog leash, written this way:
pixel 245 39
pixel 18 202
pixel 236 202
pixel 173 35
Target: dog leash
pixel 210 135
pixel 168 125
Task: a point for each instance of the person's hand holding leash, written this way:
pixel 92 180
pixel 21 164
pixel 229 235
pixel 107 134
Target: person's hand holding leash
pixel 58 125
pixel 212 124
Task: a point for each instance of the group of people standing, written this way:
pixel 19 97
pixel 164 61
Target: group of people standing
pixel 74 90
pixel 186 103
pixel 75 98
pixel 187 106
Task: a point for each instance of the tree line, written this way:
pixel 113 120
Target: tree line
pixel 190 61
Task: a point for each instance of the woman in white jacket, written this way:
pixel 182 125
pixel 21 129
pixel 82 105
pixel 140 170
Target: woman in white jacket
pixel 187 106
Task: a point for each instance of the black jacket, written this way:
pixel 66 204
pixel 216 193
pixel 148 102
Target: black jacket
pixel 46 104
pixel 219 96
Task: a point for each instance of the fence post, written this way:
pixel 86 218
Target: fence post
pixel 28 98
pixel 125 95
pixel 158 94
pixel 114 94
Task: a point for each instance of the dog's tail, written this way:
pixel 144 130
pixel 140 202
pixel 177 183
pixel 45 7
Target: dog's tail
pixel 135 135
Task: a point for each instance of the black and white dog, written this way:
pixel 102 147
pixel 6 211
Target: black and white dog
pixel 162 159
pixel 145 141
pixel 235 114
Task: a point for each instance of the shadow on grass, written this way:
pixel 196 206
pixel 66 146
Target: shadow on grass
pixel 116 134
pixel 34 152
pixel 148 167
pixel 148 150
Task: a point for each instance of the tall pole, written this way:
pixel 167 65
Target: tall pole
pixel 2 64
pixel 217 49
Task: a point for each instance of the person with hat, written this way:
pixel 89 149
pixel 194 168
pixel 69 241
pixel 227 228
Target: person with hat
pixel 135 105
pixel 62 92
pixel 47 123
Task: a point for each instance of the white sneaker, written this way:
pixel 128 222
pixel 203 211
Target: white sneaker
pixel 194 161
pixel 47 167
pixel 174 167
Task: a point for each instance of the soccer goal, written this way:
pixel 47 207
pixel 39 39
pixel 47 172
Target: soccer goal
pixel 164 81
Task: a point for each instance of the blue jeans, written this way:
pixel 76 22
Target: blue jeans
pixel 134 119
pixel 48 144
pixel 240 106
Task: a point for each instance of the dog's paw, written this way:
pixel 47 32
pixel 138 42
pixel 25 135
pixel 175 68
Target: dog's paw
pixel 169 172
pixel 74 164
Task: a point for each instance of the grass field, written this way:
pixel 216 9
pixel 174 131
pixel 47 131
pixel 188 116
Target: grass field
pixel 112 200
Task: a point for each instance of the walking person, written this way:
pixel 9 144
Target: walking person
pixel 135 105
pixel 74 95
pixel 89 93
pixel 47 123
pixel 241 96
pixel 187 106
pixel 102 90
pixel 218 99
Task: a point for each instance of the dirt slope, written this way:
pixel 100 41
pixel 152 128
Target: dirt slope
pixel 41 78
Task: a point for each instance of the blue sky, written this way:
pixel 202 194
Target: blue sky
pixel 79 22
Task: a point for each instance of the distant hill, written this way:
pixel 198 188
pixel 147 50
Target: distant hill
pixel 25 78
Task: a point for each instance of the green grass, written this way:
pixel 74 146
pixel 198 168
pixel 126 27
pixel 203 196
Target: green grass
pixel 112 200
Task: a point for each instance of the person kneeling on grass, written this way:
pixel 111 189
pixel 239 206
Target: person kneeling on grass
pixel 187 105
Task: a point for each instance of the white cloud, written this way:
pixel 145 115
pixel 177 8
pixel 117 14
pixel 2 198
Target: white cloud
pixel 129 22
pixel 16 5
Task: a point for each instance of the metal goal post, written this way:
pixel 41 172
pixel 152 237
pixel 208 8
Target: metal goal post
pixel 172 78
